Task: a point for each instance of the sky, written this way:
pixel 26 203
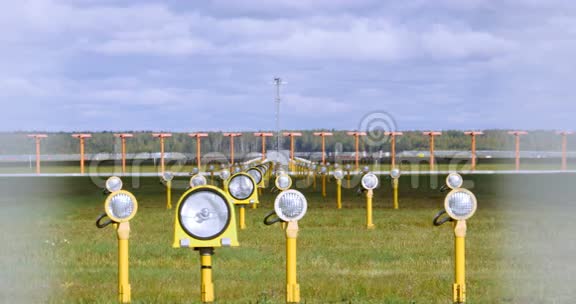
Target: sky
pixel 71 65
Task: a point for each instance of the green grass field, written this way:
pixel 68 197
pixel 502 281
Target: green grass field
pixel 57 255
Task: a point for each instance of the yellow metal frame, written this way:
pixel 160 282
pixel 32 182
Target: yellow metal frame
pixel 229 233
pixel 369 195
pixel 107 204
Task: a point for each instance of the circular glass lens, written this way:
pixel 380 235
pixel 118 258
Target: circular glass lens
pixel 197 180
pixel 168 176
pixel 283 182
pixel 395 173
pixel 241 187
pixel 454 180
pixel 323 169
pixel 195 170
pixel 224 174
pixel 121 206
pixel 256 175
pixel 366 169
pixel 204 214
pixel 461 204
pixel 370 181
pixel 338 174
pixel 113 184
pixel 290 205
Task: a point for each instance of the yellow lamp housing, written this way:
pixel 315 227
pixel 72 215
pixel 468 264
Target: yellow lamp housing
pixel 283 182
pixel 258 176
pixel 121 206
pixel 205 218
pixel 460 204
pixel 242 189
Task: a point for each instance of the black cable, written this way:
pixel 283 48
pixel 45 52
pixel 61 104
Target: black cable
pixel 271 222
pixel 436 222
pixel 102 225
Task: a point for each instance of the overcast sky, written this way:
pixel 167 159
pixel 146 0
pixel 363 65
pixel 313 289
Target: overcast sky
pixel 209 65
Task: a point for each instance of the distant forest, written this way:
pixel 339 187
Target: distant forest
pixel 63 143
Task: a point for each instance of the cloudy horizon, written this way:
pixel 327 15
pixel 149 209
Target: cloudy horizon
pixel 166 65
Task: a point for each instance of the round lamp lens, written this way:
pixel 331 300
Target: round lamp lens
pixel 113 184
pixel 454 180
pixel 224 174
pixel 283 182
pixel 366 169
pixel 195 170
pixel 211 167
pixel 197 180
pixel 460 204
pixel 167 176
pixel 323 169
pixel 204 214
pixel 369 181
pixel 241 187
pixel 338 174
pixel 121 206
pixel 256 175
pixel 395 173
pixel 290 205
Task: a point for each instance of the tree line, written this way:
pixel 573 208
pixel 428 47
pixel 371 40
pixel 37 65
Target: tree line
pixel 64 143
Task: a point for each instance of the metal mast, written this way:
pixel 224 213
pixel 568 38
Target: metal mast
pixel 278 82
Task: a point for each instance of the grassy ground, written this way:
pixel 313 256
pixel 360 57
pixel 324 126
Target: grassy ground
pixel 404 260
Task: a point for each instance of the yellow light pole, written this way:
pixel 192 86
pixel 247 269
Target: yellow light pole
pixel 120 207
pixel 460 204
pixel 123 137
pixel 292 135
pixel 290 206
pixel 395 175
pixel 564 147
pixel 167 179
pixel 323 172
pixel 338 175
pixel 161 136
pixel 198 148
pixel 357 146
pixel 369 183
pixel 473 135
pixel 81 137
pixel 517 145
pixel 431 135
pixel 232 135
pixel 37 138
pixel 263 136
